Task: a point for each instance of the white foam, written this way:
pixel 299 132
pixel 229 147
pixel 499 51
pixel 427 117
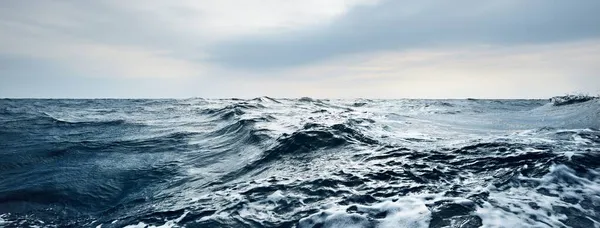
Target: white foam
pixel 334 219
pixel 2 221
pixel 168 224
pixel 527 207
pixel 569 154
pixel 510 209
pixel 139 225
pixel 405 212
pixel 581 141
pixel 276 196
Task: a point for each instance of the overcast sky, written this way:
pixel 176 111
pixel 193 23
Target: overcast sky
pixel 296 48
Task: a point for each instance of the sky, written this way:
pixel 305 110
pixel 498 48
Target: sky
pixel 299 48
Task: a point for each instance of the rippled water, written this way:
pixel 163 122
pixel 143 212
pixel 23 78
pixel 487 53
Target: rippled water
pixel 299 163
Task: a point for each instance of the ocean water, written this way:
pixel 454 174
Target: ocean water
pixel 302 163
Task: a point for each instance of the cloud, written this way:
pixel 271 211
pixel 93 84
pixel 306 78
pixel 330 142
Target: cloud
pixel 234 18
pixel 147 39
pixel 405 25
pixel 57 33
pixel 337 48
pixel 100 60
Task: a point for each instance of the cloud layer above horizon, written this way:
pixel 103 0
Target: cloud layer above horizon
pixel 294 48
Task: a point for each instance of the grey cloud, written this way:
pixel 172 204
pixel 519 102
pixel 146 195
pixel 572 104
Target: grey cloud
pixel 391 26
pixel 104 22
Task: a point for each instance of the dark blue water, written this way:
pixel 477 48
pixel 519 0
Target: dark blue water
pixel 268 162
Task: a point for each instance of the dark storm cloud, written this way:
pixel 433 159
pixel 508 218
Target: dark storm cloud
pixel 400 25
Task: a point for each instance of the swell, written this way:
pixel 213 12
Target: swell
pixel 266 99
pixel 235 136
pixel 232 111
pixel 309 141
pixel 314 137
pixel 45 120
pixel 83 178
pixel 37 153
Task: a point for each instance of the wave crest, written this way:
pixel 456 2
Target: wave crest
pixel 571 99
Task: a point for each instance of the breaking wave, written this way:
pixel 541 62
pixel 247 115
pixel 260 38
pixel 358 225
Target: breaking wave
pixel 571 99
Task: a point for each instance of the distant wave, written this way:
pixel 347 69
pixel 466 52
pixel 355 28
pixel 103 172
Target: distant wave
pixel 571 99
pixel 43 119
pixel 266 99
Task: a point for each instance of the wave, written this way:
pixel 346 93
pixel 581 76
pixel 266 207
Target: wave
pixel 307 99
pixel 90 123
pixel 572 114
pixel 571 99
pixel 231 111
pixel 312 138
pixel 244 130
pixel 266 99
pixel 268 162
pixel 359 104
pixel 46 120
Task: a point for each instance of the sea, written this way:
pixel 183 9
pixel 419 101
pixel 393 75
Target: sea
pixel 304 163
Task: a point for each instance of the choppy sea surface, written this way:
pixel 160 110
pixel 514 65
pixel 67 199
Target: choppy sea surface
pixel 302 163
